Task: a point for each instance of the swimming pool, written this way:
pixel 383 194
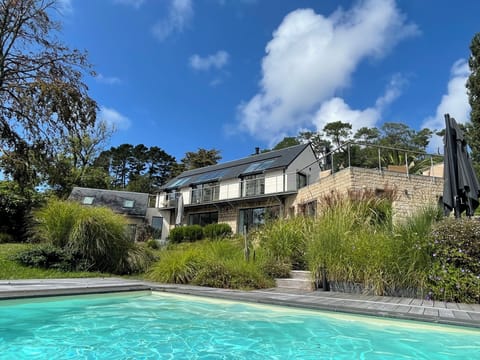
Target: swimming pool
pixel 153 325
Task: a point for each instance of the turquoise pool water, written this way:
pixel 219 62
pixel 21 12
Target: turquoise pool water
pixel 146 325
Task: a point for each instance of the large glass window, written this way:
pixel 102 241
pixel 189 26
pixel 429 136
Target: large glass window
pixel 253 218
pixel 203 219
pixel 301 180
pixel 157 225
pixel 253 185
pixel 308 209
pixel 205 193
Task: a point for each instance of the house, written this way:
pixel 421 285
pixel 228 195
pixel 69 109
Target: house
pixel 242 193
pixel 132 205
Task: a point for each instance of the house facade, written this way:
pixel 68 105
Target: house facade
pixel 241 193
pixel 132 205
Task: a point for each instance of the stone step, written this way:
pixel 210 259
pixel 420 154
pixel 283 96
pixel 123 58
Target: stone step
pixel 301 274
pixel 298 284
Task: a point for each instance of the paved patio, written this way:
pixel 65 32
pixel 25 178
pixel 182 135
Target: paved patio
pixel 402 308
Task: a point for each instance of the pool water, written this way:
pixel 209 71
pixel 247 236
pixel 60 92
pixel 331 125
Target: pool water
pixel 145 325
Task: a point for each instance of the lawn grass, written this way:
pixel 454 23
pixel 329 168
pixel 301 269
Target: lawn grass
pixel 10 269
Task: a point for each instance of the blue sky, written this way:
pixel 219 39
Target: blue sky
pixel 236 74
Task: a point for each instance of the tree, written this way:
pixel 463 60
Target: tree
pixel 201 158
pixel 15 205
pixel 74 161
pixel 42 96
pixel 367 135
pixel 136 168
pixel 320 145
pixel 473 88
pixel 338 131
pixel 287 142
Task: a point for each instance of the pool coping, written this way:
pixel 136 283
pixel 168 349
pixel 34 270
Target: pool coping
pixel 388 307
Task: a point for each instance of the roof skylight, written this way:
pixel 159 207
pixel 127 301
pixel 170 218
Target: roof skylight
pixel 259 166
pixel 88 200
pixel 211 176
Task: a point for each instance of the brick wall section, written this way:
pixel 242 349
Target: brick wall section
pixel 413 191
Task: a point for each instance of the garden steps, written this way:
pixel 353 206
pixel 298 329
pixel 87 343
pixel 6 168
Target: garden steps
pixel 298 280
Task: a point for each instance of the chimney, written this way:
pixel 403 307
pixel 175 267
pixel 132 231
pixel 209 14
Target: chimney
pixel 257 150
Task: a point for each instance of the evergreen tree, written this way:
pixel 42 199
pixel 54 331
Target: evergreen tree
pixel 473 87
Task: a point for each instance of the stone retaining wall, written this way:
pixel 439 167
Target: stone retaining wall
pixel 412 191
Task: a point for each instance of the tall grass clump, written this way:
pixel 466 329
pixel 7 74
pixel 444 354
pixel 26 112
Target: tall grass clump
pixel 54 222
pixel 94 238
pixel 218 263
pixel 348 241
pixel 284 241
pixel 363 252
pixel 411 250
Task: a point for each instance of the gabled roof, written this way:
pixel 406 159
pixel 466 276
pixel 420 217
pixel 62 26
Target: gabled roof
pixel 255 164
pixel 123 202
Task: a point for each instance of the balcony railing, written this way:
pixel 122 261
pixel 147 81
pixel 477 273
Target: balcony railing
pixel 245 188
pixel 253 187
pixel 381 158
pixel 206 194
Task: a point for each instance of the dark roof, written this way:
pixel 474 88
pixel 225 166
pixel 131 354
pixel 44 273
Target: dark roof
pixel 277 159
pixel 118 201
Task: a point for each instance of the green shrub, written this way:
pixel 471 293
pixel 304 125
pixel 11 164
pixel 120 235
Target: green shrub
pixel 216 231
pixel 176 235
pixel 46 256
pixel 185 233
pixel 192 233
pixel 5 238
pixel 153 244
pixel 455 274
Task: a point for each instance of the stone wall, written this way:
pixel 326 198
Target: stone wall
pixel 412 191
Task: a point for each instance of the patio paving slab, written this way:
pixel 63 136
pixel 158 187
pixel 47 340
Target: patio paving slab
pixel 400 308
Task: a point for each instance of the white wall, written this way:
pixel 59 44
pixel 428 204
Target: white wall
pixel 274 182
pixel 229 189
pixel 165 214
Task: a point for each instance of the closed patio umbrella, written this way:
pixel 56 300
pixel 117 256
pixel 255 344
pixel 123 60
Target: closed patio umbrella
pixel 179 210
pixel 461 187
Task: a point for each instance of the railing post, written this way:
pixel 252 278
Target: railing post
pixel 348 149
pixel 431 168
pixel 331 162
pixel 379 160
pixel 406 163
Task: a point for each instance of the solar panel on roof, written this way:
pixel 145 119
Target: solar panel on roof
pixel 259 166
pixel 179 182
pixel 210 176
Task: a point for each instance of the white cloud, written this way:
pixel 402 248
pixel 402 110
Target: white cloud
pixel 217 60
pixel 113 118
pixel 454 102
pixel 336 109
pixel 179 16
pixel 312 56
pixel 110 80
pixel 65 6
pixel 133 3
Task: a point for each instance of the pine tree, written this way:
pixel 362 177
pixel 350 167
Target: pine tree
pixel 473 87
